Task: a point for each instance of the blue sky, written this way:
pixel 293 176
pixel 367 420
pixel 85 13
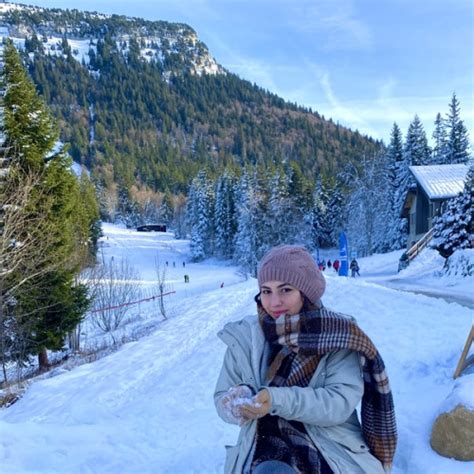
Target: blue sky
pixel 364 63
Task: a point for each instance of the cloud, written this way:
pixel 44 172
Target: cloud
pixel 344 113
pixel 333 25
pixel 373 115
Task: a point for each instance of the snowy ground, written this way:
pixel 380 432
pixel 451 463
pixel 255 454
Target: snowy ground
pixel 147 408
pixel 423 276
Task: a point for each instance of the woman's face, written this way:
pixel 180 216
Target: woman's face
pixel 280 298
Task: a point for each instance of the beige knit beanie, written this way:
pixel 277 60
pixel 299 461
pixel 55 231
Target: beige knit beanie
pixel 294 265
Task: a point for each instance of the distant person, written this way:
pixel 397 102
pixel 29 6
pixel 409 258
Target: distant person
pixel 184 264
pixel 336 265
pixel 354 266
pixel 293 376
pixel 186 278
pixel 329 263
pixel 166 263
pixel 222 285
pixel 174 264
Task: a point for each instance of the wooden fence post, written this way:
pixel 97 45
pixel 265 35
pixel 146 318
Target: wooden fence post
pixel 462 361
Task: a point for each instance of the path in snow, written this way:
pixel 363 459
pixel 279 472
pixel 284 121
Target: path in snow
pixel 450 297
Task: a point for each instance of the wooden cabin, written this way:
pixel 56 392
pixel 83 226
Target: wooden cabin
pixel 434 185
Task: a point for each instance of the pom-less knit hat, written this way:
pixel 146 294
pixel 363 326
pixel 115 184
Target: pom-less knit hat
pixel 294 265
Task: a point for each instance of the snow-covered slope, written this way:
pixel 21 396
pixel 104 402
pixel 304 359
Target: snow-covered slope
pixel 148 407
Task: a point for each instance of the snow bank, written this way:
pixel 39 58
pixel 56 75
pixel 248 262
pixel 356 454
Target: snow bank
pixel 461 263
pixel 462 394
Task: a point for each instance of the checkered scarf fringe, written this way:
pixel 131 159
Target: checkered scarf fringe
pixel 319 331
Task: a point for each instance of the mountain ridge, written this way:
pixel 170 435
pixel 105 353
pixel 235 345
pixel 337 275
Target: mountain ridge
pixel 152 111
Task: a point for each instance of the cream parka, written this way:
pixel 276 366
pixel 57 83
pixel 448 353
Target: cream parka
pixel 327 406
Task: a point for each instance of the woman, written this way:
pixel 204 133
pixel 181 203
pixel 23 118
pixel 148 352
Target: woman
pixel 292 379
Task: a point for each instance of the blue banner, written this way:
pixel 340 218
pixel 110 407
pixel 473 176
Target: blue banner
pixel 344 268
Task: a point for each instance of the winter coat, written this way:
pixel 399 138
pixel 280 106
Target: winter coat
pixel 326 406
pixel 354 265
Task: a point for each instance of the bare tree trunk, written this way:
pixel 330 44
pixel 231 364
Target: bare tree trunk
pixel 43 359
pixel 161 280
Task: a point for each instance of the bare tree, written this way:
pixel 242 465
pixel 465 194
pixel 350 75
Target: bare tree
pixel 160 270
pixel 24 241
pixel 116 287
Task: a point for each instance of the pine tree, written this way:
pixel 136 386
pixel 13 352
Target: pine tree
pixel 166 209
pixel 318 217
pixel 279 216
pixel 225 223
pixel 457 145
pixel 29 125
pixel 128 212
pixel 417 151
pixel 47 303
pixel 453 230
pixel 334 214
pixel 440 151
pixel 250 237
pixel 200 213
pixel 396 168
pixel 300 194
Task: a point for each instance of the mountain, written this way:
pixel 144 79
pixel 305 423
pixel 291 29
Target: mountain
pixel 144 103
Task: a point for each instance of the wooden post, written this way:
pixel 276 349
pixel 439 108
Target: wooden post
pixel 465 351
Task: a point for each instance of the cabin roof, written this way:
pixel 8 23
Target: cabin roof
pixel 440 181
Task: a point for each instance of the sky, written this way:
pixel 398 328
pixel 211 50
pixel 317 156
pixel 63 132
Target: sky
pixel 364 63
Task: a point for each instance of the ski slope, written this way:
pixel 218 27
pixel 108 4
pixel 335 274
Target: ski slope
pixel 148 407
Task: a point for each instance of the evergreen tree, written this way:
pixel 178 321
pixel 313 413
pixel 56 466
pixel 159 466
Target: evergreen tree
pixel 334 214
pixel 300 193
pixel 319 215
pixel 89 216
pixel 457 145
pixel 166 209
pixel 29 127
pixel 47 303
pixel 440 151
pixel 453 230
pixel 225 223
pixel 251 208
pixel 417 151
pixel 279 218
pixel 128 212
pixel 395 167
pixel 200 213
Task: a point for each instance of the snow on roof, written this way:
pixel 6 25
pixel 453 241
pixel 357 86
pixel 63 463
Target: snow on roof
pixel 440 181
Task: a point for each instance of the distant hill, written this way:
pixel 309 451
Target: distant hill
pixel 144 102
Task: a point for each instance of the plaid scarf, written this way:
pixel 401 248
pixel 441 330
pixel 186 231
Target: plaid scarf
pixel 319 331
pixel 283 440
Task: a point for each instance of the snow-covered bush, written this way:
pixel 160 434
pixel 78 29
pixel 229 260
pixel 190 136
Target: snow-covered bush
pixel 461 263
pixel 454 229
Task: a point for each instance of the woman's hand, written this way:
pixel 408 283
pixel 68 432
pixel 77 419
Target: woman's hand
pixel 259 406
pixel 233 401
